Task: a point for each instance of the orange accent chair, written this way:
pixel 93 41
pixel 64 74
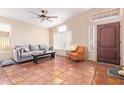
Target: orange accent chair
pixel 77 54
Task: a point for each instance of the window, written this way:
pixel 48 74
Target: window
pixel 4 37
pixel 62 39
pixel 92 38
pixel 62 28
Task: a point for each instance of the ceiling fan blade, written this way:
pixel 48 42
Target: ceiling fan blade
pixel 40 9
pixel 34 13
pixel 49 20
pixel 52 16
pixel 41 21
pixel 36 17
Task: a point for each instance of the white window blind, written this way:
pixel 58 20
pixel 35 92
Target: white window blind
pixel 62 40
pixel 4 37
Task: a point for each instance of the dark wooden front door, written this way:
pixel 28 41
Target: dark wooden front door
pixel 108 43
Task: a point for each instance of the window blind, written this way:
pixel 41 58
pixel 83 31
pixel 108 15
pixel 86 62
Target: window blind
pixel 62 40
pixel 4 37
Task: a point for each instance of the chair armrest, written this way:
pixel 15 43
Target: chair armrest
pixel 72 51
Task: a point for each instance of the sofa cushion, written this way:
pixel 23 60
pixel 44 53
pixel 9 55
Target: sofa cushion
pixel 34 47
pixel 39 52
pixel 43 47
pixel 26 54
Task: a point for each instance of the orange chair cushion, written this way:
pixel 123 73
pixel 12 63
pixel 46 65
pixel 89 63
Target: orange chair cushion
pixel 73 54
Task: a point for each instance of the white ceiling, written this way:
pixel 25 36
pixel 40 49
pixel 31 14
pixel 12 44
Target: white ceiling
pixel 23 14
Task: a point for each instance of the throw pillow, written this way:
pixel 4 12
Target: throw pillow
pixel 19 50
pixel 43 47
pixel 34 47
pixel 25 48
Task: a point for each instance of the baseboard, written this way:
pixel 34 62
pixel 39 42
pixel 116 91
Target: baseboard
pixel 60 55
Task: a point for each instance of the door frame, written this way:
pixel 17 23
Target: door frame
pixel 95 24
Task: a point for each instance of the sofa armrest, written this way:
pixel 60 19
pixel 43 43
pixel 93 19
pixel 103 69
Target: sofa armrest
pixel 16 55
pixel 51 48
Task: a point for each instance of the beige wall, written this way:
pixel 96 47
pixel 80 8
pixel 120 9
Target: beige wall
pixel 24 33
pixel 79 27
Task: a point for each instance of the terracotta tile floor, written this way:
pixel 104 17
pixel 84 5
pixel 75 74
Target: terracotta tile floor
pixel 58 71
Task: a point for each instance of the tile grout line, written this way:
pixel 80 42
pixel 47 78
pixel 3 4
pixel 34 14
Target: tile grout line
pixel 94 74
pixel 7 76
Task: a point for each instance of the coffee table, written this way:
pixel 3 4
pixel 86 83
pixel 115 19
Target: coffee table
pixel 36 56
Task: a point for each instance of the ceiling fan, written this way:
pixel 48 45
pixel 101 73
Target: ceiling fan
pixel 43 16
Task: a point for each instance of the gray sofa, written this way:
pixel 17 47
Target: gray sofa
pixel 24 53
